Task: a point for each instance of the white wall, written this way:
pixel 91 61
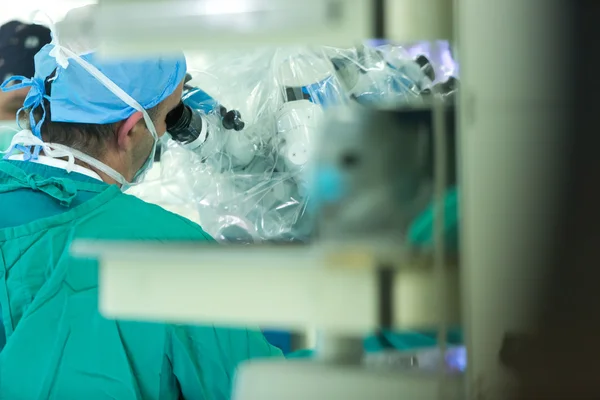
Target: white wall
pixel 23 9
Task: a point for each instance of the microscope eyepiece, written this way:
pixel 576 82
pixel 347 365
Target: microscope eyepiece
pixel 184 125
pixel 187 126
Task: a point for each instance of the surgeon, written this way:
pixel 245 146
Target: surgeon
pixel 90 131
pixel 19 43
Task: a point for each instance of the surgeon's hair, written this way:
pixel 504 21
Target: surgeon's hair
pixel 91 139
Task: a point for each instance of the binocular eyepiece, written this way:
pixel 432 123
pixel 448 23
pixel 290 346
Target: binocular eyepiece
pixel 187 126
pixel 184 125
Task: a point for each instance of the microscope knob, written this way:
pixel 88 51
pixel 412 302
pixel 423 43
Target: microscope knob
pixel 233 120
pixel 222 111
pixel 426 66
pixel 238 125
pixel 451 84
pixel 448 87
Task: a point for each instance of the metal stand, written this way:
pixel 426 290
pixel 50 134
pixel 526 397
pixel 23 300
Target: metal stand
pixel 302 380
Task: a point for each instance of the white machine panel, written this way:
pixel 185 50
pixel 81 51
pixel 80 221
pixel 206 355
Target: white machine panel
pixel 300 380
pixel 131 27
pixel 272 287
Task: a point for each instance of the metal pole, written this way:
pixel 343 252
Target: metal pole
pixel 510 169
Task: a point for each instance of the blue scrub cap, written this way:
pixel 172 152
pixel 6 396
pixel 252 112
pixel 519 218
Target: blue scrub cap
pixel 79 97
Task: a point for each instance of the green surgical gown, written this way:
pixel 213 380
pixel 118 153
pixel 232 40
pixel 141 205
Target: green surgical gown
pixel 58 346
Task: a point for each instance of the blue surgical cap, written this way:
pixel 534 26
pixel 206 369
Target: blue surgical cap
pixel 79 97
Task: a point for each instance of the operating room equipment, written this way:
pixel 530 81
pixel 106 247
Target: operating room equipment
pixel 427 359
pixel 355 324
pixel 254 183
pixel 198 99
pixel 345 265
pixel 372 80
pixel 555 354
pixel 505 127
pixel 253 178
pixel 154 221
pixel 186 125
pixel 374 202
pixel 239 24
pixel 498 121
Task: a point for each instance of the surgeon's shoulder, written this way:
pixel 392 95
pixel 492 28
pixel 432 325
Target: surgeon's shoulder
pixel 130 217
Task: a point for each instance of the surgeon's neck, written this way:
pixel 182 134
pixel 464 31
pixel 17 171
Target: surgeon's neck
pixel 105 178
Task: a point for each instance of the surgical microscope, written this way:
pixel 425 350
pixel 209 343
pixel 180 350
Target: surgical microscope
pixel 357 264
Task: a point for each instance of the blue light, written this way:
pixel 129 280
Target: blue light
pixel 456 359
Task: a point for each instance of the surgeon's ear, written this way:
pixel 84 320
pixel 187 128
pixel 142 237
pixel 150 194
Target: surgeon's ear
pixel 126 131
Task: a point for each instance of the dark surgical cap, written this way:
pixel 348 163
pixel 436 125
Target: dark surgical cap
pixel 19 43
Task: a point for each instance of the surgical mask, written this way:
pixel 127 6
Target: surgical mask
pixel 26 138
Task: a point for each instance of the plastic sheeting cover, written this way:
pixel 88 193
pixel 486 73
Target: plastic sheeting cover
pixel 250 186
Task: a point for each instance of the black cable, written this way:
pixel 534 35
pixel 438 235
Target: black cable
pixel 379 31
pixel 385 289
